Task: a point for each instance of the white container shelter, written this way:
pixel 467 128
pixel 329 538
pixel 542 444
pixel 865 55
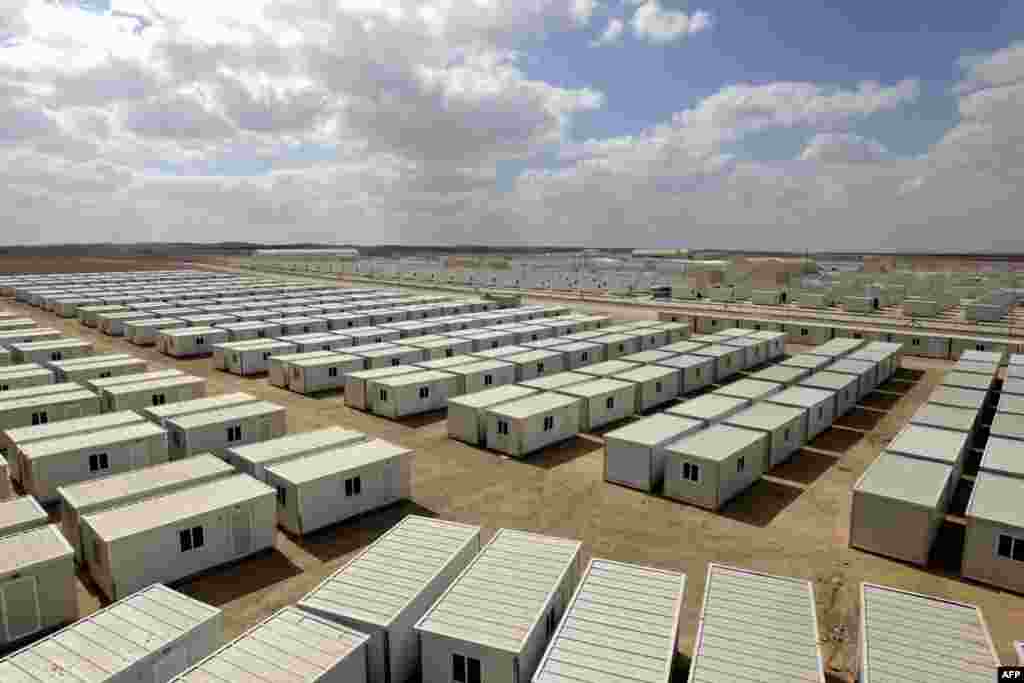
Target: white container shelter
pixel 391 357
pixel 782 425
pixel 536 363
pixel 320 489
pixel 27 336
pixel 655 385
pixel 208 319
pixel 618 345
pixel 478 644
pixel 945 417
pixel 467 414
pixel 37 584
pixel 170 537
pixel 819 404
pixel 48 464
pixel 898 505
pixel 976 367
pixel 695 372
pixel 278 366
pixel 151 635
pixel 785 375
pixel 728 359
pixel 968 380
pixel 144 331
pixel 888 354
pixel 160 414
pixel 883 362
pixel 437 349
pixel 968 399
pixel 608 368
pixel 578 354
pixel 710 408
pixel 251 359
pixel 114 323
pixel 604 401
pixel 88 368
pixel 186 342
pixel 687 346
pixel 750 389
pixel 528 424
pixel 372 335
pixel 51 350
pixel 216 430
pixel 556 381
pixel 1008 426
pixel 357 383
pixel 906 635
pixel 1010 404
pixel 634 454
pixel 90 497
pixel 308 373
pixel 253 459
pixel 501 352
pixel 837 347
pixel 418 559
pixel 318 341
pixel 157 392
pixel 100 383
pixel 756 627
pixel 756 350
pixel 929 443
pixel 346 321
pixel 637 608
pixel 21 514
pixel 844 388
pixel 1003 456
pixel 411 394
pixel 251 329
pixel 710 467
pixel 24 376
pixel 290 645
pixel 486 374
pixel 807 361
pixel 45 404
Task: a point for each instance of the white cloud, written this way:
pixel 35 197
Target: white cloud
pixel 612 34
pixel 654 23
pixel 843 148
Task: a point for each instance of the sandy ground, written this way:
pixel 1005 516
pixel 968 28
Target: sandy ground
pixel 793 522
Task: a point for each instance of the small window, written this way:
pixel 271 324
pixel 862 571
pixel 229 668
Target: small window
pixel 458 668
pixel 494 344
pixel 549 423
pixel 353 486
pixel 585 356
pixel 821 412
pixel 915 342
pixel 98 462
pixel 424 392
pixel 622 348
pixel 159 399
pixel 332 372
pixel 488 380
pixel 691 472
pixel 185 540
pixel 757 327
pixel 260 333
pixel 200 341
pixel 5 387
pixel 979 347
pixel 609 402
pixel 502 427
pixel 235 433
pixel 786 434
pixel 282 496
pixel 448 353
pixel 657 387
pixel 714 323
pixel 857 335
pixel 383 394
pixel 741 463
pixel 540 368
pixel 378 340
pixel 197 537
pixel 696 371
pixel 40 418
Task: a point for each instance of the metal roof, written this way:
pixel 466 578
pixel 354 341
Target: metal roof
pixel 53 430
pixel 975 367
pixel 377 373
pixel 651 356
pixel 532 405
pixel 8 372
pixel 152 479
pixel 967 380
pixel 153 384
pixel 802 397
pixel 1008 425
pixel 1003 456
pixel 445 363
pixel 908 636
pixel 756 627
pixel 305 356
pixel 480 366
pixel 29 393
pixel 326 463
pixel 1011 404
pixel 236 412
pixel 595 387
pixel 807 360
pixel 944 417
pixel 291 645
pixel 930 443
pixel 303 442
pixel 421 377
pixel 646 373
pixel 607 368
pixel 95 439
pixel 154 513
pixel 970 355
pixel 708 406
pixel 47 400
pixel 194 331
pixel 852 367
pixel 781 374
pixel 655 429
pixel 716 443
pixel 532 356
pixel 1013 385
pixel 89 360
pixel 687 346
pixel 683 361
pixel 16 512
pixel 621 625
pixel 105 382
pixel 830 381
pixel 22 550
pixel 910 480
pixel 377 585
pixel 840 346
pixel 958 398
pixel 490 397
pixel 751 389
pixel 767 335
pixel 766 416
pixel 718 351
pixel 109 641
pixel 501 596
pixel 198 405
pixel 501 352
pixel 62 343
pixel 556 381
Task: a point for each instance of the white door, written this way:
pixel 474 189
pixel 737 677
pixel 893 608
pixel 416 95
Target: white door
pixel 241 530
pixel 19 608
pixel 172 662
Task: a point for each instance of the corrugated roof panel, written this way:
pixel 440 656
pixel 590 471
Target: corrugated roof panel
pixel 22 550
pixel 996 498
pixel 155 478
pixel 621 625
pixel 18 512
pixel 907 637
pixel 921 482
pixel 303 442
pixel 342 459
pixel 755 627
pixel 379 583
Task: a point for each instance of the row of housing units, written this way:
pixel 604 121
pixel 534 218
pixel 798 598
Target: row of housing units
pixel 430 601
pixel 900 502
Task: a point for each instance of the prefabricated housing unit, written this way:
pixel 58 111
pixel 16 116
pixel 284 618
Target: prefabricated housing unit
pixel 246 330
pixel 710 467
pixel 278 366
pixel 357 383
pixel 1008 426
pixel 417 559
pixel 906 635
pixel 149 636
pixel 943 446
pixel 45 404
pixel 655 385
pixel 21 514
pixel 634 454
pixel 756 627
pixel 749 389
pixel 728 359
pixel 290 645
pixel 144 331
pixel 633 607
pixel 254 458
pixel 318 341
pixel 308 373
pixel 160 414
pixel 807 361
pixel 27 336
pixel 320 489
pixel 156 392
pixel 170 537
pixel 98 367
pixel 868 372
pixel 783 426
pixel 24 376
pixel 945 417
pixel 467 414
pixel 411 394
pixel 618 345
pixel 45 465
pixel 967 399
pixel 50 350
pixel 101 383
pixel 222 428
pixel 603 401
pixel 528 424
pixel 37 583
pixel 250 357
pixel 556 381
pixel 536 363
pixel 709 408
pixel 391 357
pixel 819 403
pixel 473 377
pixel 695 372
pixel 115 323
pixel 533 576
pixel 756 350
pixel 994 541
pixel 898 505
pixel 437 349
pixel 185 342
pixel 786 375
pixel 843 387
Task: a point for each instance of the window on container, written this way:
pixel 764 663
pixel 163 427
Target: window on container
pixel 804 332
pixel 353 486
pixel 549 423
pixel 502 427
pixel 5 387
pixel 396 361
pixel 282 496
pixel 424 392
pixel 552 622
pixel 540 368
pixel 332 372
pixel 691 472
pixel 40 418
pixel 622 348
pixel 857 335
pixel 448 353
pixel 98 461
pixel 488 380
pixel 383 394
pixel 696 371
pixel 915 342
pixel 1011 547
pixel 56 355
pixel 235 433
pixel 821 412
pixel 200 341
pixel 609 402
pixel 785 435
pixel 741 463
pixel 657 387
pixel 757 328
pixel 159 399
pixel 260 333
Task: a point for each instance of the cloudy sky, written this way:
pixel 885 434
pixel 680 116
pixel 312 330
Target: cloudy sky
pixel 713 123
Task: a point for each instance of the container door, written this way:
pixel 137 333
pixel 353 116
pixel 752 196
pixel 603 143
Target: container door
pixel 19 608
pixel 241 530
